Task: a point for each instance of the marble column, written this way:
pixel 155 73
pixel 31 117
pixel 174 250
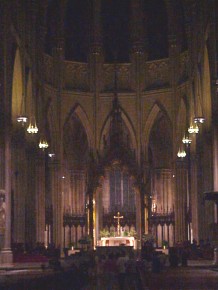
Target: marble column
pixel 106 192
pixel 98 213
pixel 194 198
pixel 6 253
pixel 77 184
pixel 30 198
pixel 181 227
pixel 215 166
pixel 19 186
pixel 56 196
pixel 40 199
pixel 5 89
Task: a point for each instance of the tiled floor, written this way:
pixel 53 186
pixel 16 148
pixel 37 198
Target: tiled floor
pixel 197 276
pixel 190 278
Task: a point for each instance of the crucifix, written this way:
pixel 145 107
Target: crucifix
pixel 118 217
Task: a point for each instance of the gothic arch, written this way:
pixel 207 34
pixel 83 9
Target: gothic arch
pixel 156 109
pixel 181 124
pixel 128 124
pixel 17 86
pixel 30 108
pixel 81 114
pixel 206 89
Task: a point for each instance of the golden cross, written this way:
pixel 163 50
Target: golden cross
pixel 118 217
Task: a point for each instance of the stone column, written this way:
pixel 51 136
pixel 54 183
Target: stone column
pixel 90 194
pixel 40 199
pixel 181 201
pixel 56 196
pixel 5 89
pixel 6 253
pixel 138 59
pixel 215 166
pixel 19 190
pixel 96 65
pixel 139 214
pixel 105 199
pixel 78 191
pixel 205 163
pixel 163 190
pixel 30 199
pixel 194 197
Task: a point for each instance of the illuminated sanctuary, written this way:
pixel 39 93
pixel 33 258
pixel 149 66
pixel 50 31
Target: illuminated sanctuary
pixel 108 109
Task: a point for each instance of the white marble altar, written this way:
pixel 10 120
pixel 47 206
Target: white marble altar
pixel 118 241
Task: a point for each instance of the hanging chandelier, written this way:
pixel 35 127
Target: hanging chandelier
pixel 22 119
pixel 186 140
pixel 32 128
pixel 181 153
pixel 199 120
pixel 43 144
pixel 193 129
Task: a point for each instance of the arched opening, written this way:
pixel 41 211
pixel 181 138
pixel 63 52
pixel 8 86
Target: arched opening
pixel 206 92
pixel 17 87
pixel 182 125
pixel 117 192
pixel 29 96
pixel 18 157
pixel 161 216
pixel 75 158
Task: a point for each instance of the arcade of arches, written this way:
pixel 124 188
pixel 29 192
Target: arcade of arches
pixel 113 89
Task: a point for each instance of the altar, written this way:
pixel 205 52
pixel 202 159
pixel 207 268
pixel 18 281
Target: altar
pixel 118 241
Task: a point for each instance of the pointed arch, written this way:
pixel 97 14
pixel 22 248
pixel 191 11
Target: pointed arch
pixel 52 131
pixel 128 124
pixel 17 86
pixel 181 123
pixel 206 96
pixel 29 96
pixel 155 111
pixel 81 114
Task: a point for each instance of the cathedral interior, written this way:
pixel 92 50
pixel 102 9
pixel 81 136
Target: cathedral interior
pixel 108 106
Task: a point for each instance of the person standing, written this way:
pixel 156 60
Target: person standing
pixel 110 270
pixel 121 264
pixel 133 274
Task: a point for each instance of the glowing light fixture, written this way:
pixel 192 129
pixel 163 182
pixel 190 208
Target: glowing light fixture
pixel 199 120
pixel 32 128
pixel 43 144
pixel 181 153
pixel 193 129
pixel 186 140
pixel 22 119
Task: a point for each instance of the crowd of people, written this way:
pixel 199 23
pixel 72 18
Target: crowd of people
pixel 125 268
pixel 112 269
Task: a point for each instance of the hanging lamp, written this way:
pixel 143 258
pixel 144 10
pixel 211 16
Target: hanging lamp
pixel 32 128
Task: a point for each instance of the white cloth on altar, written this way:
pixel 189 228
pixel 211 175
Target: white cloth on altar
pixel 118 241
